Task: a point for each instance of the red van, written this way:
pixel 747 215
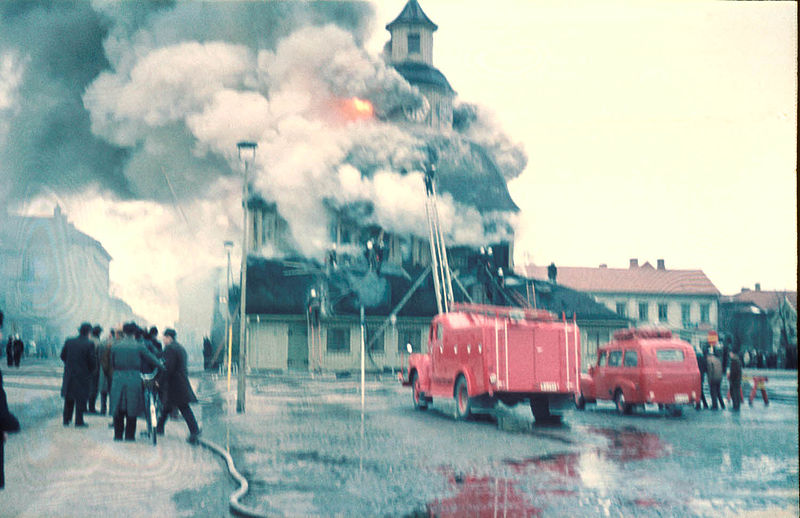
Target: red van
pixel 643 366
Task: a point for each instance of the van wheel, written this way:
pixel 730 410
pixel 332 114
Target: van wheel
pixel 463 403
pixel 622 406
pixel 420 403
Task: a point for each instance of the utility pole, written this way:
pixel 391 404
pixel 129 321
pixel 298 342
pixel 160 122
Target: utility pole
pixel 247 153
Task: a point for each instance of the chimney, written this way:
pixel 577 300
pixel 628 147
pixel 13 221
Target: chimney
pixel 634 263
pixel 745 290
pixel 758 286
pixel 660 263
pixel 604 265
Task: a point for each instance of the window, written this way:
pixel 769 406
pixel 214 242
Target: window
pixel 669 355
pixel 663 313
pixel 621 311
pixel 408 336
pixel 413 44
pixel 615 358
pixel 631 359
pixel 338 340
pixel 643 311
pixel 374 338
pixel 705 311
pixel 686 313
pixel 601 359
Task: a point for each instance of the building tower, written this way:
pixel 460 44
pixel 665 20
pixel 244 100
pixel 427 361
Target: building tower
pixel 410 52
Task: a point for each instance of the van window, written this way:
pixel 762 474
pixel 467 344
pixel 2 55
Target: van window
pixel 615 358
pixel 669 355
pixel 631 359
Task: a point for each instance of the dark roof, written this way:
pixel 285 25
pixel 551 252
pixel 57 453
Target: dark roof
pixel 471 177
pixel 281 287
pixel 421 73
pixel 412 14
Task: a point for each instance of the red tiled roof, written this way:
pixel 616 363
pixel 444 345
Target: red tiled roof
pixel 642 279
pixel 768 300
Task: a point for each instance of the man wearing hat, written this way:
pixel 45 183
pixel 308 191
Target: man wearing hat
pixel 79 359
pixel 177 390
pixel 126 400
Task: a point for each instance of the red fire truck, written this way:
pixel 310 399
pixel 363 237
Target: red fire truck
pixel 479 354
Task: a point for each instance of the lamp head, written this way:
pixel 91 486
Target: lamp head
pixel 247 150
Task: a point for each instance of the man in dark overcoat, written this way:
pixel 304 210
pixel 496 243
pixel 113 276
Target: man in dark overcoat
pixel 702 366
pixel 95 380
pixel 8 423
pixel 176 388
pixel 78 355
pixel 735 380
pixel 129 358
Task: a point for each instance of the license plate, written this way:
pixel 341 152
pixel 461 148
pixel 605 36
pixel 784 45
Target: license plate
pixel 681 398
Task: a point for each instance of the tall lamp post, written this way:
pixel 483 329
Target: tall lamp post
pixel 247 154
pixel 228 331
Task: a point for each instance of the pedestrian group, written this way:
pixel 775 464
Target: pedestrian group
pixel 113 368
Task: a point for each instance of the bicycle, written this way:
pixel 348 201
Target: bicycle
pixel 152 404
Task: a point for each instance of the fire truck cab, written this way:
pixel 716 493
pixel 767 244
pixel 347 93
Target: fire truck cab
pixel 479 354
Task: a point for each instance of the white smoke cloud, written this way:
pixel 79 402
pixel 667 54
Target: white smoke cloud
pixel 180 107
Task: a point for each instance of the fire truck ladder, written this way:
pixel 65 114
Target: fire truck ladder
pixel 442 282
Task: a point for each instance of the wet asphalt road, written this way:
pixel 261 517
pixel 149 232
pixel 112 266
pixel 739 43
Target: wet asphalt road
pixel 308 450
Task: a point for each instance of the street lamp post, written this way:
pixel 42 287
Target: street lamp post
pixel 228 331
pixel 247 154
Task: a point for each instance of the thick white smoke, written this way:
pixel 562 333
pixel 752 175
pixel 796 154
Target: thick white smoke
pixel 179 93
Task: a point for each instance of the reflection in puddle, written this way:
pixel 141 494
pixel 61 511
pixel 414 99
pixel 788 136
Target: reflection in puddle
pixel 483 497
pixel 553 476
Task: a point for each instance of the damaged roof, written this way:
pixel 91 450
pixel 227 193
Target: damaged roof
pixel 280 287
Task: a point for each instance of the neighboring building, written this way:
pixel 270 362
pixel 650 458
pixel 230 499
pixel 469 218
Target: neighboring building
pixel 683 301
pixel 52 278
pixel 764 322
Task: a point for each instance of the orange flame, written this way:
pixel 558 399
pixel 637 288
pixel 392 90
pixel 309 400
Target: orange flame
pixel 357 109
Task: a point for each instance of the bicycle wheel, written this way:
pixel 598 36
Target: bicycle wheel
pixel 148 420
pixel 153 420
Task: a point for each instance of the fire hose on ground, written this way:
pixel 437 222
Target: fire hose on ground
pixel 235 506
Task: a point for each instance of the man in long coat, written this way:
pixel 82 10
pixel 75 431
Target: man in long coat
pixel 8 423
pixel 95 379
pixel 176 388
pixel 78 355
pixel 128 360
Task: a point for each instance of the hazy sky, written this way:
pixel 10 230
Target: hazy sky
pixel 653 129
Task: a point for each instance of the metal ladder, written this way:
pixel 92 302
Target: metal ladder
pixel 440 269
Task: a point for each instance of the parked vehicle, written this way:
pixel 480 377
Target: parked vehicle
pixel 643 366
pixel 480 354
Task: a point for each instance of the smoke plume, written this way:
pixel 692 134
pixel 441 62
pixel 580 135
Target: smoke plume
pixel 128 115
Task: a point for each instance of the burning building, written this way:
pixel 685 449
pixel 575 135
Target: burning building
pixel 367 246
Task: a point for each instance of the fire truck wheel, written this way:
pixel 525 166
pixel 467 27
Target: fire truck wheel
pixel 540 407
pixel 622 406
pixel 580 402
pixel 420 403
pixel 463 403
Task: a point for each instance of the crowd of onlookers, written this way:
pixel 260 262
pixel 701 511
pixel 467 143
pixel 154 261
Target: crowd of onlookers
pixel 113 368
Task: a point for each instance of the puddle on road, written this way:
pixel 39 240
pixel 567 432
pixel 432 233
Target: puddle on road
pixel 483 496
pixel 552 476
